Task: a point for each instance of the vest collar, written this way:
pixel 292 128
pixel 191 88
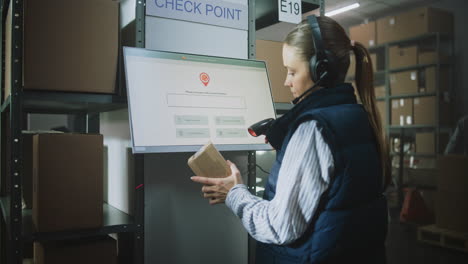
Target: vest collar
pixel 325 97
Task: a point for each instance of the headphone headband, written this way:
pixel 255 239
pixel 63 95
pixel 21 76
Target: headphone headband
pixel 317 38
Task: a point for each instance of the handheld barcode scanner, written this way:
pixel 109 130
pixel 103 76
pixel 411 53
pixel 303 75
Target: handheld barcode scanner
pixel 261 127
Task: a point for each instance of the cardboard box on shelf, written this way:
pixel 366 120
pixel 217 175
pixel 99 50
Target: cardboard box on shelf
pixel 7 78
pixel 374 61
pixel 420 177
pixel 452 185
pixel 382 112
pixel 425 110
pixel 80 46
pixel 428 83
pixel 364 33
pixel 89 251
pixel 453 174
pixel 425 143
pixel 67 181
pixel 402 112
pixel 431 57
pixel 403 56
pixel 451 211
pixel 380 91
pixel 352 66
pixel 404 83
pixel 413 23
pixel 270 52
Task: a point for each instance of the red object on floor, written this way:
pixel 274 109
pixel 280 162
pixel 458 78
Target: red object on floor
pixel 414 208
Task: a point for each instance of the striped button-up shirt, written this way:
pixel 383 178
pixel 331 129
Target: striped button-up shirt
pixel 303 177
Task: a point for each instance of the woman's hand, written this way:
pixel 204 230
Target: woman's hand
pixel 216 189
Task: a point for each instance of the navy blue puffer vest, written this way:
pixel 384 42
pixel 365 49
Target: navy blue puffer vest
pixel 350 224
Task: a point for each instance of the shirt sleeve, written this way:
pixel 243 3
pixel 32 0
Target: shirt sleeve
pixel 303 177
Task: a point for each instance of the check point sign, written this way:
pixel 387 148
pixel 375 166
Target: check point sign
pixel 290 11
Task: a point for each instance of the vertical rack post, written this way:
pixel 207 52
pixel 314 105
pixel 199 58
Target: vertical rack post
pixel 438 97
pixel 16 120
pixel 139 218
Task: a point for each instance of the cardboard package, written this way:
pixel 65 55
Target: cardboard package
pixel 428 80
pixel 7 78
pixel 364 33
pixel 413 23
pixel 380 91
pixel 80 45
pixel 431 57
pixel 374 61
pixel 382 112
pixel 404 83
pixel 67 181
pixel 352 66
pixel 425 109
pixel 89 251
pixel 208 162
pixel 420 177
pixel 270 52
pixel 452 195
pixel 402 56
pixel 402 112
pixel 425 143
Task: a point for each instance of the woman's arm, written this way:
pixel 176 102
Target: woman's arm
pixel 303 177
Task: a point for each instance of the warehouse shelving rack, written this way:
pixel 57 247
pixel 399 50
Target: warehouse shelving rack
pixel 16 223
pixel 435 41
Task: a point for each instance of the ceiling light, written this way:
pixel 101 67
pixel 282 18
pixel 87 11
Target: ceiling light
pixel 342 10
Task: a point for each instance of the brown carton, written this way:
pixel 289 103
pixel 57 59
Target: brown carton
pixel 67 181
pixel 270 52
pixel 453 173
pixel 364 33
pixel 425 110
pixel 403 56
pixel 374 61
pixel 89 251
pixel 452 211
pixel 413 23
pixel 404 83
pixel 452 195
pixel 208 162
pixel 431 57
pixel 80 46
pixel 7 79
pixel 382 112
pixel 428 82
pixel 402 112
pixel 425 143
pixel 380 91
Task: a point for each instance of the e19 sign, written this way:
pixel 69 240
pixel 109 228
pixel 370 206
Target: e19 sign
pixel 290 11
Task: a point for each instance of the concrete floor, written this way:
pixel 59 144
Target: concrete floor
pixel 404 248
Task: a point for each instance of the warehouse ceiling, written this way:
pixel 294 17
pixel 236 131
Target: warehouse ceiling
pixel 369 9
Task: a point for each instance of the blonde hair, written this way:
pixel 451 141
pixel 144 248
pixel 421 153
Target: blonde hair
pixel 337 42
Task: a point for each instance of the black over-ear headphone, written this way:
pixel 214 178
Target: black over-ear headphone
pixel 322 64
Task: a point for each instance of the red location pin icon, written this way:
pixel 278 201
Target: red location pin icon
pixel 204 78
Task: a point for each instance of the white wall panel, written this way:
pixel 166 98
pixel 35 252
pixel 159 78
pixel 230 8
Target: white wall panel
pixel 187 37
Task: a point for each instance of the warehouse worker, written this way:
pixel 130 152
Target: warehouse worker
pixel 458 143
pixel 324 199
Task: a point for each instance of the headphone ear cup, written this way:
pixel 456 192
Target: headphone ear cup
pixel 313 68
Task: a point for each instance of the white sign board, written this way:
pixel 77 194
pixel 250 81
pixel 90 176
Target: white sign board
pixel 290 11
pixel 212 12
pixel 178 102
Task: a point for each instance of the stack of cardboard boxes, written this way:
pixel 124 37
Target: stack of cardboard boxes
pixel 412 71
pixel 68 46
pixel 452 193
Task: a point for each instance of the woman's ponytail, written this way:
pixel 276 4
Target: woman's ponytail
pixel 365 88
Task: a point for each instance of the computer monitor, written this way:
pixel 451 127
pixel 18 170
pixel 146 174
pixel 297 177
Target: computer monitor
pixel 178 102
